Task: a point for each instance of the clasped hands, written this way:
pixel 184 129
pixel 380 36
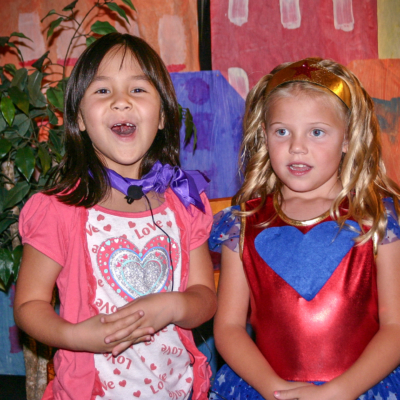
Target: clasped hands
pixel 135 322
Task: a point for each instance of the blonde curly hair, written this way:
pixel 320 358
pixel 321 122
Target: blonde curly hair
pixel 362 172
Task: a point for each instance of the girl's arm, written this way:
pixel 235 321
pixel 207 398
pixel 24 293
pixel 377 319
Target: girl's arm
pixel 34 313
pixel 187 309
pixel 231 338
pixel 382 355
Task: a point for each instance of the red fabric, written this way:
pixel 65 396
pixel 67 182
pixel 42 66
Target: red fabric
pixel 313 340
pixel 58 231
pixel 261 43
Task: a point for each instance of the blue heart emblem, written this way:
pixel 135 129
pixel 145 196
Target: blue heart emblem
pixel 306 261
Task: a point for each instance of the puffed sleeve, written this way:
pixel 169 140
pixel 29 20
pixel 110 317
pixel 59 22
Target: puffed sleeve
pixel 200 223
pixel 43 225
pixel 225 230
pixel 392 228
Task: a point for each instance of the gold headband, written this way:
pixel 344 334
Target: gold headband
pixel 308 70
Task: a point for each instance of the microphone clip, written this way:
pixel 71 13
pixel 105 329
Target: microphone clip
pixel 135 192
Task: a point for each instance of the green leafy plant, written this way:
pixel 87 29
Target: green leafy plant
pixel 31 127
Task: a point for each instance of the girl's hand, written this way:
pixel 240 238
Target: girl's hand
pixel 308 391
pixel 186 309
pixel 156 310
pixel 90 335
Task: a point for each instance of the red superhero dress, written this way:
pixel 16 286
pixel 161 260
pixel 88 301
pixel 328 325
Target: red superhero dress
pixel 313 299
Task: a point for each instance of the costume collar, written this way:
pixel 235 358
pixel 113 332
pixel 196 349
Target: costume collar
pixel 187 185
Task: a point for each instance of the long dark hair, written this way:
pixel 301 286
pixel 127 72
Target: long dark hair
pixel 81 176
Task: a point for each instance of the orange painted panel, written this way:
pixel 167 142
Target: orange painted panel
pixel 170 27
pixel 381 79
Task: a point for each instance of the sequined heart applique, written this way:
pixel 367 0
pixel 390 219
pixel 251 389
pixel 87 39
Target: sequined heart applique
pixel 133 273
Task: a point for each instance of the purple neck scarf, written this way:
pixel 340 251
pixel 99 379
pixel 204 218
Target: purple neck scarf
pixel 187 185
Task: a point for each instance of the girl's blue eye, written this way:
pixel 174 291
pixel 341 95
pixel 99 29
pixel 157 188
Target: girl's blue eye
pixel 138 90
pixel 317 133
pixel 102 91
pixel 282 132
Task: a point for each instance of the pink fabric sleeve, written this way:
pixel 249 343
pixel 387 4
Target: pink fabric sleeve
pixel 42 225
pixel 201 223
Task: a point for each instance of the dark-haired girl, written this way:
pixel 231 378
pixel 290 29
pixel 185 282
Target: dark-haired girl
pixel 123 233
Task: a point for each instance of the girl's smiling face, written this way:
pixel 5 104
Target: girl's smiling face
pixel 306 135
pixel 121 112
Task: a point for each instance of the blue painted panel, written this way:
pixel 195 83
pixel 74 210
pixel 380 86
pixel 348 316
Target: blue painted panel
pixel 217 111
pixel 11 356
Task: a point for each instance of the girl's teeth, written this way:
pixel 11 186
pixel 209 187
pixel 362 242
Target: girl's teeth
pixel 299 166
pixel 123 129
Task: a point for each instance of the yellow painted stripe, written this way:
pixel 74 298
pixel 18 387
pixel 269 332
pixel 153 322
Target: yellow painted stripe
pixel 389 28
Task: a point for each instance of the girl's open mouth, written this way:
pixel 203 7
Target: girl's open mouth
pixel 299 169
pixel 123 129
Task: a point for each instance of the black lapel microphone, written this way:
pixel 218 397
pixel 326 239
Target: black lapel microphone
pixel 135 192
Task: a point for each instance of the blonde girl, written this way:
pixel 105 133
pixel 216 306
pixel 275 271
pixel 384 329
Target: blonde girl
pixel 317 266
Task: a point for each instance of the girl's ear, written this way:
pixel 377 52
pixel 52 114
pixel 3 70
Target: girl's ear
pixel 161 123
pixel 81 124
pixel 265 134
pixel 345 145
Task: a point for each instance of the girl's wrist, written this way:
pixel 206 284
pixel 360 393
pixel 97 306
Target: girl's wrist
pixel 175 307
pixel 334 390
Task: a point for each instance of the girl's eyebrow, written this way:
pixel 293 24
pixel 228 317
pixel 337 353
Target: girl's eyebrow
pixel 310 123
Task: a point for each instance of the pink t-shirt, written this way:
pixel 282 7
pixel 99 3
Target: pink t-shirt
pixel 59 231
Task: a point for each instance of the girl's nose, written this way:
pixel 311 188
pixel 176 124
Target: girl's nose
pixel 298 145
pixel 121 103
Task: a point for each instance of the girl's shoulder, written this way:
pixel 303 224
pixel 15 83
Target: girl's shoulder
pixel 225 230
pixel 49 204
pixel 196 224
pixel 227 223
pixel 392 227
pixel 46 211
pixel 48 225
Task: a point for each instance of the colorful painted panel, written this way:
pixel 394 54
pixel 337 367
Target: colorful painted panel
pixel 11 356
pixel 388 28
pixel 381 79
pixel 250 38
pixel 170 27
pixel 217 111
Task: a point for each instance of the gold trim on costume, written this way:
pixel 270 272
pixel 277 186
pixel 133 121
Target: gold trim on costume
pixel 308 70
pixel 295 222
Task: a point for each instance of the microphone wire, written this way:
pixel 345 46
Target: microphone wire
pixel 169 240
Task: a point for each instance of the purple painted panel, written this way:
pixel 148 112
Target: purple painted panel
pixel 217 111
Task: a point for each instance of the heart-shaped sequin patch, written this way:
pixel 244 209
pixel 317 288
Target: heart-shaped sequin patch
pixel 132 272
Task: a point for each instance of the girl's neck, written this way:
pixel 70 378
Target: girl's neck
pixel 306 206
pixel 116 201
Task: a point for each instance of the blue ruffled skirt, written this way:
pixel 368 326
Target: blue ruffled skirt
pixel 229 386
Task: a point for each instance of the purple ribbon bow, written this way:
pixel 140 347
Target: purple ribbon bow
pixel 187 185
